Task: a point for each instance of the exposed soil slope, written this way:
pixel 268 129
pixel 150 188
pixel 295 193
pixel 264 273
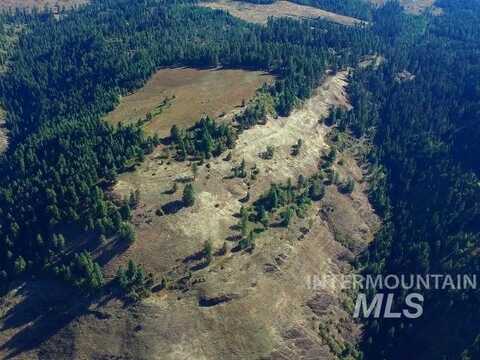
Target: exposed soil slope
pixel 241 306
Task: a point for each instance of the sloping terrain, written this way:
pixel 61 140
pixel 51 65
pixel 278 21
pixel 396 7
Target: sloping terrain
pixel 181 96
pixel 259 13
pixel 242 305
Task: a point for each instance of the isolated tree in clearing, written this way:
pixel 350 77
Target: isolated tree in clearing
pixel 188 197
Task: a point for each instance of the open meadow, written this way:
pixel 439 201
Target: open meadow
pixel 182 96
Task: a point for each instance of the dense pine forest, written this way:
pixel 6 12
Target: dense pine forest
pixel 426 185
pixel 420 108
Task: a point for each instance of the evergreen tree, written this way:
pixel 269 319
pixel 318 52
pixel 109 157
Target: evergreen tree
pixel 126 233
pixel 317 190
pixel 188 197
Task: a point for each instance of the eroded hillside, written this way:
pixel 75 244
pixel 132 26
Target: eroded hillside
pixel 242 303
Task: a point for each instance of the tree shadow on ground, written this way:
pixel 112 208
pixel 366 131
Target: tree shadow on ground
pixel 112 249
pixel 172 207
pixel 194 257
pixel 46 308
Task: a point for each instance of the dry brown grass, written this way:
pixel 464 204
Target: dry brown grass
pixel 268 316
pixel 39 4
pixel 197 92
pixel 260 13
pixel 218 196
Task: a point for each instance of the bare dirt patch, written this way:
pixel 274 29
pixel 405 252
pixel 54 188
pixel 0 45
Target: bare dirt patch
pixel 373 61
pixel 258 13
pixel 188 94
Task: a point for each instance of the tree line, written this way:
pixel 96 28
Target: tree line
pixel 425 177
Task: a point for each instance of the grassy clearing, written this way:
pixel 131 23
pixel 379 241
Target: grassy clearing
pixel 182 96
pixel 163 239
pixel 260 13
pixel 311 244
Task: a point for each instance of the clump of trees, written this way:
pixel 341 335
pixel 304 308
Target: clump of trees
pixel 188 197
pixel 126 233
pixel 134 282
pixel 284 201
pixel 255 113
pixel 297 147
pixel 329 159
pixel 208 252
pixel 204 140
pixel 268 153
pixel 316 190
pixel 240 171
pixel 347 186
pixel 247 243
pixel 83 273
pixel 288 199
